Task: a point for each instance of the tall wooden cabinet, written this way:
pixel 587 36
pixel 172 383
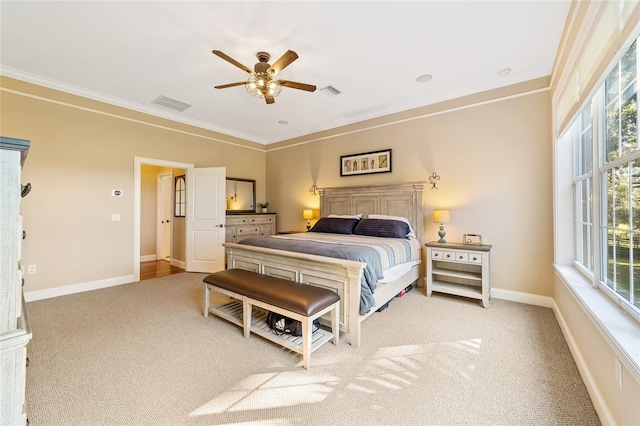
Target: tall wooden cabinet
pixel 14 324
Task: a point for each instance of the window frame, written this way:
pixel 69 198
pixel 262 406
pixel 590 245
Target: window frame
pixel 596 272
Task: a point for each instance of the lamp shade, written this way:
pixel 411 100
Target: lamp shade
pixel 307 214
pixel 441 216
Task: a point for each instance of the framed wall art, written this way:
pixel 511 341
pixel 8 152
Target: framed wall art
pixel 365 163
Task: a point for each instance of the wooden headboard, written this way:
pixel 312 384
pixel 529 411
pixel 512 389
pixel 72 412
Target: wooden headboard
pixel 402 199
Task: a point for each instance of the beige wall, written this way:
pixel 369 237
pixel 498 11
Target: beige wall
pixel 494 160
pixel 596 359
pixel 80 150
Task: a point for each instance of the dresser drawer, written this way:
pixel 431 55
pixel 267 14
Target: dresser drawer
pixel 248 230
pixel 237 220
pixel 262 219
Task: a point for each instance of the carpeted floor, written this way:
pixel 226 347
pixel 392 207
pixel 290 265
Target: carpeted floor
pixel 142 354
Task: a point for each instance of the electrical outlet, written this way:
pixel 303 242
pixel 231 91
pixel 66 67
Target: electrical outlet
pixel 31 269
pixel 618 368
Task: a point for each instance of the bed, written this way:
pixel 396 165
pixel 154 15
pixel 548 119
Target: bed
pixel 342 276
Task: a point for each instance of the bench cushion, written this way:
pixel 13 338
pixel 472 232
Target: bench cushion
pixel 303 299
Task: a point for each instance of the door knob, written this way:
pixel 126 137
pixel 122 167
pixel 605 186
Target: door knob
pixel 220 226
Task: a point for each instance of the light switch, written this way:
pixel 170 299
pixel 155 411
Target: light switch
pixel 115 217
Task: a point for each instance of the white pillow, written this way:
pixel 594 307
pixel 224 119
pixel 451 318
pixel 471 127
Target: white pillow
pixel 347 216
pixel 400 218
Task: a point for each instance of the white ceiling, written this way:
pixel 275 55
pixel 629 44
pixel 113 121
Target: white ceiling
pixel 129 53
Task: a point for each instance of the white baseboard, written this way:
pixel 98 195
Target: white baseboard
pixel 528 298
pixel 179 263
pixel 31 296
pixel 148 258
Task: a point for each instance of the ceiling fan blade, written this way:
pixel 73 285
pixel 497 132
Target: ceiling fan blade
pixel 299 86
pixel 231 60
pixel 284 61
pixel 224 86
pixel 269 99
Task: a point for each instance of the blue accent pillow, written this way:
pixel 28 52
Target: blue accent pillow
pixel 334 225
pixel 382 228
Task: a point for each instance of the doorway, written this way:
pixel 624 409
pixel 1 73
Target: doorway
pixel 137 195
pixel 164 203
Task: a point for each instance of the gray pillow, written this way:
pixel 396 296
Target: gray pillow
pixel 334 225
pixel 382 228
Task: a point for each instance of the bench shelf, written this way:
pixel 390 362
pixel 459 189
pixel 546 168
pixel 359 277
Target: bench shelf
pixel 232 312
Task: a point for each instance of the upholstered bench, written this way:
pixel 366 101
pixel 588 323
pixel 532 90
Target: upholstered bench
pixel 298 301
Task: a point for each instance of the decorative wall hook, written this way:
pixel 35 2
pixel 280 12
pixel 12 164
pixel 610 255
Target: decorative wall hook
pixel 313 189
pixel 433 179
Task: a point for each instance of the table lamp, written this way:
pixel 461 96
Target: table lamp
pixel 441 217
pixel 307 214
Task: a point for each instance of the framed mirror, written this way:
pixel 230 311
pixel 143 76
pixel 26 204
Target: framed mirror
pixel 240 195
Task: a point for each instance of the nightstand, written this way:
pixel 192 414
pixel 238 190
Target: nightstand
pixel 459 269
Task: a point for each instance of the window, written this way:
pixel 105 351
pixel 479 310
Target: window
pixel 610 199
pixel 583 178
pixel 180 196
pixel 621 172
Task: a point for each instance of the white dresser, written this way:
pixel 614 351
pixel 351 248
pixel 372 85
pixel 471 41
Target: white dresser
pixel 241 226
pixel 14 325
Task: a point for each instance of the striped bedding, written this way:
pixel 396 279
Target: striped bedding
pixel 379 254
pixel 392 251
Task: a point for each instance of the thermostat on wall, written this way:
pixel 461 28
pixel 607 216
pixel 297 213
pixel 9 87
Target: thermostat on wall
pixel 116 193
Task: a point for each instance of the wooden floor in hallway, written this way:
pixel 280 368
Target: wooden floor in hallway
pixel 157 268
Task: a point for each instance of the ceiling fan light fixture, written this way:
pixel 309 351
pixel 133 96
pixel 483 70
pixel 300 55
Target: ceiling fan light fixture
pixel 262 82
pixel 263 85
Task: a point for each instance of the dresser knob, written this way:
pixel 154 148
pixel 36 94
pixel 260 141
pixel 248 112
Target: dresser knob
pixel 24 234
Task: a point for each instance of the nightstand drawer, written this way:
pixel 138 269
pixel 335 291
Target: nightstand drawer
pixel 437 254
pixel 449 255
pixel 462 256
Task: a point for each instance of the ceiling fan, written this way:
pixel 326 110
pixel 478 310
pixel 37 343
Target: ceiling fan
pixel 262 81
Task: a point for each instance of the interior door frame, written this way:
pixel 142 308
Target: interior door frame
pixel 137 190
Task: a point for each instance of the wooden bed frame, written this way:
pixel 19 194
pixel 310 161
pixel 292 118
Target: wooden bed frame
pixel 341 276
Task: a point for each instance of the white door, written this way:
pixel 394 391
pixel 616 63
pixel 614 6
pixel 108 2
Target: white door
pixel 165 180
pixel 205 219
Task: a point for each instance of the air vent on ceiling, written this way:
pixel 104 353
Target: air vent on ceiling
pixel 330 91
pixel 170 103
